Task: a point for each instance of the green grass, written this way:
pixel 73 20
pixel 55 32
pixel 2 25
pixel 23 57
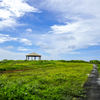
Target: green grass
pixel 46 80
pixel 6 65
pixel 98 67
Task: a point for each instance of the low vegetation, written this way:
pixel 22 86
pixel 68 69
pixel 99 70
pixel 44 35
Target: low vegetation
pixel 43 80
pixel 96 62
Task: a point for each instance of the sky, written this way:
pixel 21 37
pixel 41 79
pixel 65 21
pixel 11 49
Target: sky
pixel 55 29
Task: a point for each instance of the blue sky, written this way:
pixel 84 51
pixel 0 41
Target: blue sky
pixel 56 29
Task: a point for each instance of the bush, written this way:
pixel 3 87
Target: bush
pixel 95 61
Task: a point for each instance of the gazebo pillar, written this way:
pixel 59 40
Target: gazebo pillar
pixel 39 58
pixel 28 57
pixel 31 58
pixel 35 58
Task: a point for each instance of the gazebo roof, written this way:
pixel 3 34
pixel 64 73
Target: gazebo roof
pixel 33 54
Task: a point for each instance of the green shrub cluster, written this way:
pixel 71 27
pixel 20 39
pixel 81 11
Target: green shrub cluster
pixel 74 61
pixel 95 61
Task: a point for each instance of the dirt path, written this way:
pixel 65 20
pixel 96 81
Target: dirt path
pixel 12 71
pixel 92 87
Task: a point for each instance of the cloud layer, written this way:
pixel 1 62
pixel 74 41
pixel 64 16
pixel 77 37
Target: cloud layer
pixel 12 9
pixel 80 28
pixel 4 38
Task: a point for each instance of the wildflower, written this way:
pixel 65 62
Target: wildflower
pixel 87 74
pixel 25 93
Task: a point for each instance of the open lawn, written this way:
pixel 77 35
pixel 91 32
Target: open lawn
pixel 44 80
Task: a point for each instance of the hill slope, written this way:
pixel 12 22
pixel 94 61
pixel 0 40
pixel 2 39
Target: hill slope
pixel 44 80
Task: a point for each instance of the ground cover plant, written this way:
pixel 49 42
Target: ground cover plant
pixel 46 80
pixel 96 62
pixel 7 65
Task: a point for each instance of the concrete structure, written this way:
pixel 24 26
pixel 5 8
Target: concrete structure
pixel 33 54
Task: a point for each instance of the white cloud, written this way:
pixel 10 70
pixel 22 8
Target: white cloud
pixel 58 29
pixel 5 54
pixel 73 7
pixel 80 28
pixel 40 43
pixel 25 41
pixel 5 14
pixel 4 38
pixel 9 47
pixel 22 49
pixel 7 23
pixel 17 7
pixel 67 42
pixel 12 9
pixel 46 47
pixel 29 30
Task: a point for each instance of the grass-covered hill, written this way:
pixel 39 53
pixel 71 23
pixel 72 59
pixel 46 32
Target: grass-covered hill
pixel 43 80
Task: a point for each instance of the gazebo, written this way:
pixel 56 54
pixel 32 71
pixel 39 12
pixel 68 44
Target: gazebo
pixel 33 54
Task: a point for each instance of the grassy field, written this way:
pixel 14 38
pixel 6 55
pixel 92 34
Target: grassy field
pixel 44 80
